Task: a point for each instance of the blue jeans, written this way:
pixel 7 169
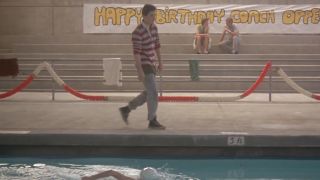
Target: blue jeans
pixel 149 95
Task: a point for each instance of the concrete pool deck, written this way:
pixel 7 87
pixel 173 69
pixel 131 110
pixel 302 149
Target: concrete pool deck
pixel 287 126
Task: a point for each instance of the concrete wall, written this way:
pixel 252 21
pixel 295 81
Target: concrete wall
pixel 28 20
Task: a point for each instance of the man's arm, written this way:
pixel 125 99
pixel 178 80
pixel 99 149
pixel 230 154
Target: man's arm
pixel 235 33
pixel 109 173
pixel 137 48
pixel 222 36
pixel 160 67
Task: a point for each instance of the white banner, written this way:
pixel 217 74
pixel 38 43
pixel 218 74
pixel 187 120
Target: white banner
pixel 173 18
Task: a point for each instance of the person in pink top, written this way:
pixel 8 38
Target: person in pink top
pixel 202 37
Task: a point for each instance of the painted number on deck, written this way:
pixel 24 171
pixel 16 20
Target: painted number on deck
pixel 236 141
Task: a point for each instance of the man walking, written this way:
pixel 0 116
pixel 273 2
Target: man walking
pixel 146 50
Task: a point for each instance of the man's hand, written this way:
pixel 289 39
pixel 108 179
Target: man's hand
pixel 141 76
pixel 160 67
pixel 227 30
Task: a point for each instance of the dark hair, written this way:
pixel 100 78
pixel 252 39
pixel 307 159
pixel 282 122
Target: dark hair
pixel 229 19
pixel 147 8
pixel 204 21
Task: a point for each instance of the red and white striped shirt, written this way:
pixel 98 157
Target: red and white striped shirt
pixel 146 43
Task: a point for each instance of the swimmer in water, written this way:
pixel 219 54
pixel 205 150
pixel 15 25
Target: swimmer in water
pixel 147 173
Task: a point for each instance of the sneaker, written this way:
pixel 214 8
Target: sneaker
pixel 154 124
pixel 234 52
pixel 124 111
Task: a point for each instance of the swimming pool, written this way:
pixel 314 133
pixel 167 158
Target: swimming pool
pixel 175 169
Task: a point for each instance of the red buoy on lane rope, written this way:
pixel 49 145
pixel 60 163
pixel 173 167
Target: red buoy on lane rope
pixel 84 96
pixel 258 81
pixel 21 86
pixel 315 96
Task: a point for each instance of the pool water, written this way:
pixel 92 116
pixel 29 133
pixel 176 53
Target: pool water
pixel 169 169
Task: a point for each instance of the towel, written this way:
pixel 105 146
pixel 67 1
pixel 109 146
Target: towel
pixel 112 71
pixel 9 67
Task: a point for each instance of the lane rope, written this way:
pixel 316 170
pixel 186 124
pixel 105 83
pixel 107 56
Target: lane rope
pixel 53 74
pixel 258 81
pixel 295 86
pixel 21 86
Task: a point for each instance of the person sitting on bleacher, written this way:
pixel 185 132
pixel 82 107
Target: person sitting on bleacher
pixel 232 43
pixel 201 41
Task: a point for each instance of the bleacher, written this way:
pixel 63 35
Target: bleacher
pixel 78 61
